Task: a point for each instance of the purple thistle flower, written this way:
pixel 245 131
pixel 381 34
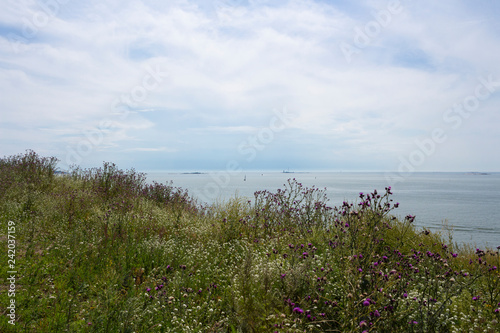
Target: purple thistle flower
pixel 366 302
pixel 297 310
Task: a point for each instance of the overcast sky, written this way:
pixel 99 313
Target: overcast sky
pixel 258 85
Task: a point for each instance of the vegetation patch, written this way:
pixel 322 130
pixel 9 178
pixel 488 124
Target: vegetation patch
pixel 101 250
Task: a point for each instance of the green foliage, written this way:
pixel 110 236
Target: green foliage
pixel 100 250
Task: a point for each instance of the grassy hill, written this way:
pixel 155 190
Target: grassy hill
pixel 100 250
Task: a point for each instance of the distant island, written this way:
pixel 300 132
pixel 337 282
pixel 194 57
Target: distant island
pixel 477 173
pixel 194 173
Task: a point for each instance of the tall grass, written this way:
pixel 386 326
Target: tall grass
pixel 101 250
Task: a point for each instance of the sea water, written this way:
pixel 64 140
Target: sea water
pixel 469 203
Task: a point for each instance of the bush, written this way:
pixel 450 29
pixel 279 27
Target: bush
pixel 101 250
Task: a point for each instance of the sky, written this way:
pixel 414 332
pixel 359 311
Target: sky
pixel 180 85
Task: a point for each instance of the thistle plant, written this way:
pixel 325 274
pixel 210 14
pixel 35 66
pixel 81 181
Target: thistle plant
pixel 102 250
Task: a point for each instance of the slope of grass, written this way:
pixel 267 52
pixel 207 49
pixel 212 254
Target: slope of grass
pixel 100 250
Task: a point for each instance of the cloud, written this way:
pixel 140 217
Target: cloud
pixel 144 149
pixel 228 64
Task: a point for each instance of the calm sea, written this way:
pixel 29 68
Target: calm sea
pixel 468 202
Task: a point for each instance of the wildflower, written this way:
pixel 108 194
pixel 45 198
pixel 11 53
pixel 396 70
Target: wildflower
pixel 363 323
pixel 360 269
pixel 366 302
pixel 410 218
pixel 475 298
pixel 297 310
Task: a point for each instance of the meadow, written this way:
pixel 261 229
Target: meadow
pixel 101 250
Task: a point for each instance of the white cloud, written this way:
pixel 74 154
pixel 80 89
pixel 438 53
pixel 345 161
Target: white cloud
pixel 230 64
pixel 144 149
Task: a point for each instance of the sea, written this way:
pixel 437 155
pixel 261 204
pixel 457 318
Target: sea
pixel 468 204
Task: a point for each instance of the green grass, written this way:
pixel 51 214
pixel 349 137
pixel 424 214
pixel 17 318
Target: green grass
pixel 100 250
